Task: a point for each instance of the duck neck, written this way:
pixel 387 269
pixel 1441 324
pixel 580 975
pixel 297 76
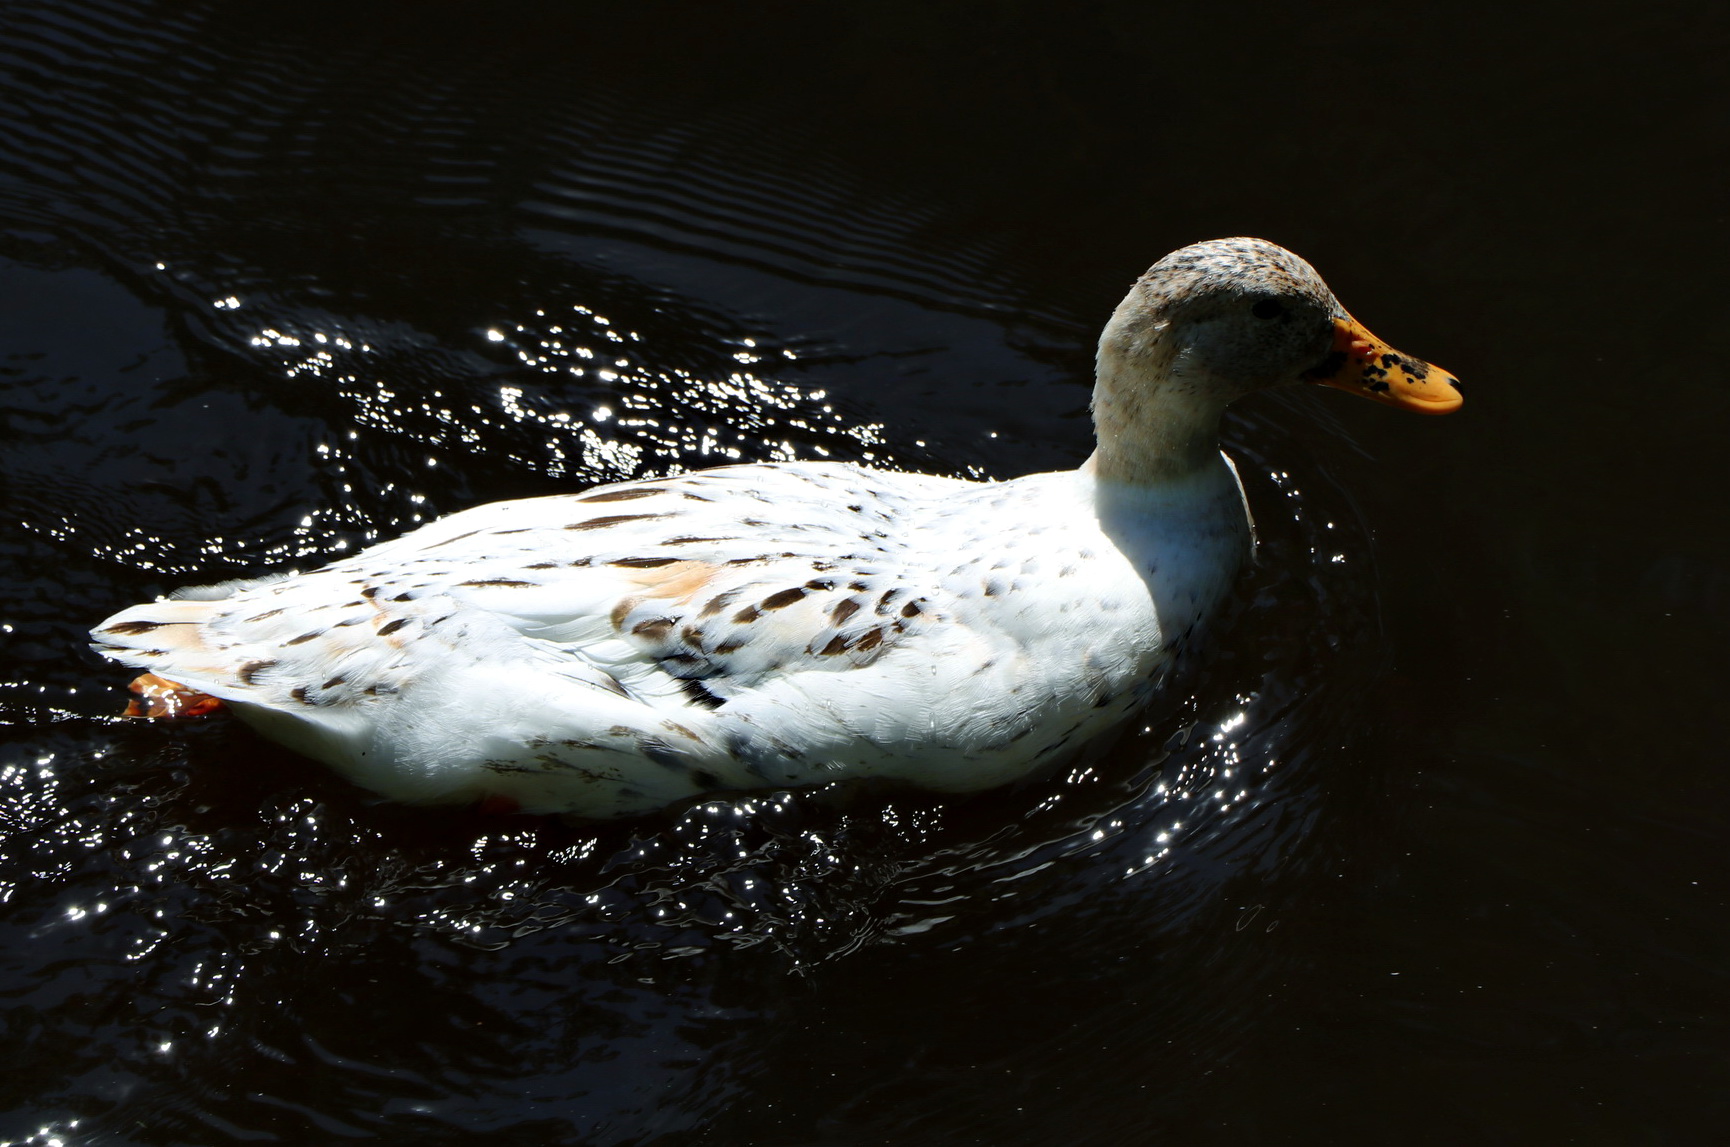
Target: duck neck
pixel 1155 415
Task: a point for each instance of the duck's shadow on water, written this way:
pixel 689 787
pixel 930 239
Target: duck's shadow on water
pixel 256 944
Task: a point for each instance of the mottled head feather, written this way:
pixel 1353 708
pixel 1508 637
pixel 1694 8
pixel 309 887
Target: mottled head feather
pixel 1232 268
pixel 1204 326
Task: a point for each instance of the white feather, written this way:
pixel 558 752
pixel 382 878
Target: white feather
pixel 616 650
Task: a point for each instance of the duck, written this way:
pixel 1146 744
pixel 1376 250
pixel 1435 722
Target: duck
pixel 631 646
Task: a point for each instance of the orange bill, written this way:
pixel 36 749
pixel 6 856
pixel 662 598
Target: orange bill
pixel 1363 364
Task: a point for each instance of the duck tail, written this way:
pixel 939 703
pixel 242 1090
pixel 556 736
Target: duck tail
pixel 183 671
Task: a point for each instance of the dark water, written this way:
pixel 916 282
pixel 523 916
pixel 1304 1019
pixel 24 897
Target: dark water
pixel 1427 848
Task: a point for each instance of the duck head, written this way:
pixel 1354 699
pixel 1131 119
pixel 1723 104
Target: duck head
pixel 1214 321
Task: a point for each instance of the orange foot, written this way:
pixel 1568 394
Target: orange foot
pixel 159 698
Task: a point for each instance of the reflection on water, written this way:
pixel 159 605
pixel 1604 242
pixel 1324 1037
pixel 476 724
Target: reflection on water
pixel 189 903
pixel 205 938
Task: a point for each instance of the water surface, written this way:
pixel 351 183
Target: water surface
pixel 1425 843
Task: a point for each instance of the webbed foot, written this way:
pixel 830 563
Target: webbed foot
pixel 161 699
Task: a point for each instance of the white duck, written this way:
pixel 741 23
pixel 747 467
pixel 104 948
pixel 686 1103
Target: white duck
pixel 616 650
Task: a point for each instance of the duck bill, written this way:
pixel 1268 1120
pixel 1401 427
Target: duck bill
pixel 1363 364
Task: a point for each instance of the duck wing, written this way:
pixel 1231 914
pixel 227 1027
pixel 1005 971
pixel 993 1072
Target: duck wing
pixel 624 608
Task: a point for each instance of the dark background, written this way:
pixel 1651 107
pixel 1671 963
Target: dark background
pixel 1429 849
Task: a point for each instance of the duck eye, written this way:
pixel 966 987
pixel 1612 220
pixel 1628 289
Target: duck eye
pixel 1267 309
